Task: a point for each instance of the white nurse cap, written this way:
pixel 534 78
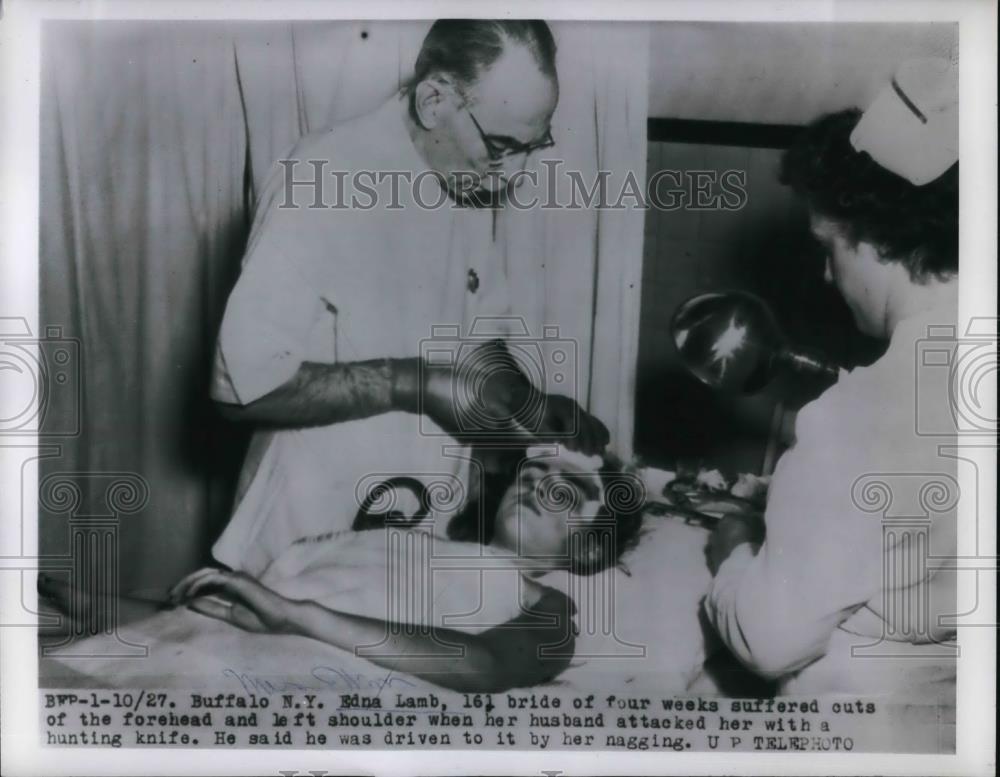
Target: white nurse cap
pixel 911 129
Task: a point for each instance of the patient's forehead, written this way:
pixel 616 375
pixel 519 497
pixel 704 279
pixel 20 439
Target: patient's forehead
pixel 554 470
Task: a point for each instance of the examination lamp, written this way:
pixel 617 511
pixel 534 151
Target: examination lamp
pixel 731 341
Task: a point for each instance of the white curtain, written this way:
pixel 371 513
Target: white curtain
pixel 155 138
pixel 592 257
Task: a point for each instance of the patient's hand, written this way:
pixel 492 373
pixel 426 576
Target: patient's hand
pixel 236 598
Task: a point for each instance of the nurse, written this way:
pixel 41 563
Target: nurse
pixel 341 282
pixel 831 596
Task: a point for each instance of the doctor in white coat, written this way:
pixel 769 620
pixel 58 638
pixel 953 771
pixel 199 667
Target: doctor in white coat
pixel 367 237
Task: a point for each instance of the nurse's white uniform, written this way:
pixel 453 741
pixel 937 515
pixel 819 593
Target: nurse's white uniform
pixel 342 284
pixel 844 592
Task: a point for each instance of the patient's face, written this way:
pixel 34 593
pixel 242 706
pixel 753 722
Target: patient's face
pixel 537 510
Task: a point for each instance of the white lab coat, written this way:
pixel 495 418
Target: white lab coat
pixel 341 285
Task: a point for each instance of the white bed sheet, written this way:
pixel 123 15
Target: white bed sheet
pixel 639 629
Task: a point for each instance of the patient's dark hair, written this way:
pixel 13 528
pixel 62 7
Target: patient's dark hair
pixel 916 226
pixel 462 49
pixel 594 545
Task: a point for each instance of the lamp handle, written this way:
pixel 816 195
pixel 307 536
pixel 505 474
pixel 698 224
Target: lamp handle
pixel 806 362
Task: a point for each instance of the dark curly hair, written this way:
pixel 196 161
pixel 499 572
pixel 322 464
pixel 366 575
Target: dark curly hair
pixel 916 226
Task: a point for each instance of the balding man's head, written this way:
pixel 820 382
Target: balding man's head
pixel 482 97
pixel 461 50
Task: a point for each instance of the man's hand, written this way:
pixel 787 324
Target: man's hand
pixel 731 531
pixel 563 420
pixel 488 394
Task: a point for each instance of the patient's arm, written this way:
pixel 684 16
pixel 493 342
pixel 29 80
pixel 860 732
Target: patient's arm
pixel 505 656
pixel 85 608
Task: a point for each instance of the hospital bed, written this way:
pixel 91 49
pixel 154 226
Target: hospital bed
pixel 649 639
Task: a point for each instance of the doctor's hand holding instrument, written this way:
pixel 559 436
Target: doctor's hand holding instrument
pixel 487 395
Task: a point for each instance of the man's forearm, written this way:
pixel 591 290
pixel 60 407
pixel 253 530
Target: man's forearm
pixel 320 394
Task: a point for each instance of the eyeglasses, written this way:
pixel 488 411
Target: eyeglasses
pixel 501 146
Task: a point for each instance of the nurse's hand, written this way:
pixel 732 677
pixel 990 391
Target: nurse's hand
pixel 731 532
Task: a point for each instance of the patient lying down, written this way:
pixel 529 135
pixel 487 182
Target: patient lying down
pixel 460 608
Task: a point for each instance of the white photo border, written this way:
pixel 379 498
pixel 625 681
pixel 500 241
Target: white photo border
pixel 19 175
